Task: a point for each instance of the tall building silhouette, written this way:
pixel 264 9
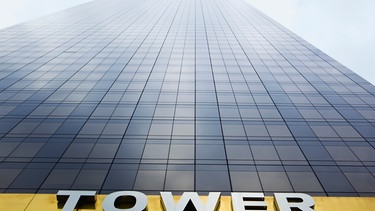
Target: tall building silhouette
pixel 179 95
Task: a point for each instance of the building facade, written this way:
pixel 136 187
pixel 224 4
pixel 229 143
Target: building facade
pixel 179 95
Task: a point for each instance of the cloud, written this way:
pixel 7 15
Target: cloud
pixel 18 11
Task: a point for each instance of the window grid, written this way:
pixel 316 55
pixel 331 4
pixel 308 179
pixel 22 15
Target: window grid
pixel 143 95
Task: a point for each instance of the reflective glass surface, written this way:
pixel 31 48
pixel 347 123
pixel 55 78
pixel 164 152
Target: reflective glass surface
pixel 179 95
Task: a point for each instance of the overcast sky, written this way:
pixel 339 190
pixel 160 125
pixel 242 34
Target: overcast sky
pixel 344 29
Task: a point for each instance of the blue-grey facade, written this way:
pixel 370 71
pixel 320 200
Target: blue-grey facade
pixel 179 95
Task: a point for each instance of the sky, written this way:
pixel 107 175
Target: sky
pixel 17 11
pixel 344 29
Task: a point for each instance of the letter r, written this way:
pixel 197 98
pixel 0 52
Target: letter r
pixel 291 201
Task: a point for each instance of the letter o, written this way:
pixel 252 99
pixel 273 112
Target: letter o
pixel 140 201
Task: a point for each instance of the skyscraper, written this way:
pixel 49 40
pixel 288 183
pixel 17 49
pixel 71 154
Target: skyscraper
pixel 179 95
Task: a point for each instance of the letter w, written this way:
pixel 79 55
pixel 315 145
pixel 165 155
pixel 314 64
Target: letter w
pixel 190 199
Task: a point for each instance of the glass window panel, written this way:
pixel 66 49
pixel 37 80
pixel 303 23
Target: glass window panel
pixel 238 152
pixel 93 127
pixel 100 151
pixel 245 178
pixel 130 150
pixel 156 151
pixel 183 128
pixel 255 129
pixel 89 179
pixel 316 152
pixel 208 128
pixel 232 128
pixel 362 182
pixel 60 179
pixel 78 150
pixel 150 179
pixel 27 150
pixel 8 175
pixel 182 151
pixel 30 178
pixel 212 178
pixel 210 151
pixel 364 153
pixel 264 152
pixel 159 128
pixel 275 181
pixel 323 130
pixel 180 177
pixel 289 153
pixel 300 129
pixel 334 181
pixel 341 153
pixel 278 129
pixel 138 127
pixel 305 182
pixel 121 177
pixel 269 113
pixel 207 112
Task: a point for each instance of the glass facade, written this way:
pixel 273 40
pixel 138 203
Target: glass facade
pixel 179 95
